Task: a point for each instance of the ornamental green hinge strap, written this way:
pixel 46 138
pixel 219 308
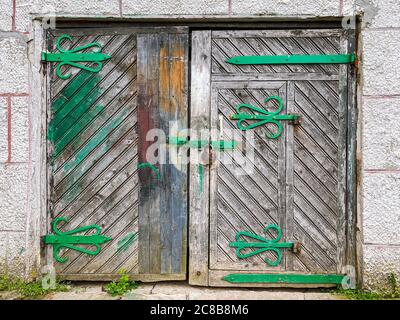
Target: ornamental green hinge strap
pixel 334 279
pixel 259 117
pixel 72 56
pixel 294 59
pixel 263 245
pixel 68 240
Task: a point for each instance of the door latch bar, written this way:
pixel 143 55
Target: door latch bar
pixel 71 57
pixel 294 59
pixel 263 117
pixel 66 239
pixel 198 144
pixel 262 245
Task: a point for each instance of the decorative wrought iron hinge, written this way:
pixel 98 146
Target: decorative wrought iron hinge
pixel 263 117
pixel 66 239
pixel 294 59
pixel 263 245
pixel 70 57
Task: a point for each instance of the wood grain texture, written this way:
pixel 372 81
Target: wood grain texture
pixel 162 98
pixel 310 196
pixel 245 200
pixel 199 120
pixel 93 151
pixel 98 135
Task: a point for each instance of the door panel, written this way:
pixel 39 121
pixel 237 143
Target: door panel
pixel 245 199
pixel 97 148
pixel 298 181
pixel 94 153
pixel 316 177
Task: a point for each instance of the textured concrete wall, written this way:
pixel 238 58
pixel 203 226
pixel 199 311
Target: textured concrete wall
pixel 380 105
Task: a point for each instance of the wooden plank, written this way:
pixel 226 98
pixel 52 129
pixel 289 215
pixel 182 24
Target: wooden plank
pixel 353 232
pixel 173 117
pixel 199 195
pixel 165 169
pixel 163 97
pixel 113 277
pixel 178 75
pixel 289 179
pixel 273 77
pixel 276 33
pixel 148 118
pixel 342 164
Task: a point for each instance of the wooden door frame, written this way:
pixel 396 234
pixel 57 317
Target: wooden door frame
pixel 199 212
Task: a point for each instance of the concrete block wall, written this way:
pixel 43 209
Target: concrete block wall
pixel 379 110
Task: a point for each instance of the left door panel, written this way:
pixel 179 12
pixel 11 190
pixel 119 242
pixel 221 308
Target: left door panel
pixel 94 154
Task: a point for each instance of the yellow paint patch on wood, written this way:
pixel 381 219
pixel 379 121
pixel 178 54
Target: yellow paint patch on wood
pixel 177 77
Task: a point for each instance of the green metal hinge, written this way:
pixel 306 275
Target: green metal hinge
pixel 263 245
pixel 294 59
pixel 263 117
pixel 66 239
pixel 71 57
pixel 334 279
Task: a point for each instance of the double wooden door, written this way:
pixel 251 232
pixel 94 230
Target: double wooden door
pixel 118 141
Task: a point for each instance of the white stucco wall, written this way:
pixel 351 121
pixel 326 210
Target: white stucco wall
pixel 379 106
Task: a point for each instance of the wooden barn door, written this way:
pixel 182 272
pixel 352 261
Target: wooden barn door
pixel 99 172
pixel 294 184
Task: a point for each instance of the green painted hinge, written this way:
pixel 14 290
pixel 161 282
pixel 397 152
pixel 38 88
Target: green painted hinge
pixel 285 278
pixel 71 57
pixel 294 59
pixel 263 245
pixel 263 117
pixel 66 239
pixel 198 144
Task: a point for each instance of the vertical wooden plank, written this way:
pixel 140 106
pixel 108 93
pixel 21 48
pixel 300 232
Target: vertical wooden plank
pixel 165 173
pixel 148 118
pixel 342 157
pixel 178 48
pixel 352 115
pixel 213 181
pixel 199 195
pixel 289 214
pixel 282 153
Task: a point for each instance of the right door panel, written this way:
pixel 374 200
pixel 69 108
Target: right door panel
pixel 298 180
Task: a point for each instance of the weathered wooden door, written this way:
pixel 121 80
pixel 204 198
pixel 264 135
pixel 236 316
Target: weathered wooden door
pixel 295 182
pixel 99 172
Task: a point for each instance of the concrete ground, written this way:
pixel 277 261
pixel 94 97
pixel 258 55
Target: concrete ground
pixel 182 291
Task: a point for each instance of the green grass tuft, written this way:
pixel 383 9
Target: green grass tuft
pixel 122 286
pixel 28 290
pixel 388 294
